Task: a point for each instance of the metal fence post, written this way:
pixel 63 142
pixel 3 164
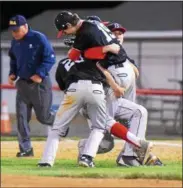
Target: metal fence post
pixel 139 81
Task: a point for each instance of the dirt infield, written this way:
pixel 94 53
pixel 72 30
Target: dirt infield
pixel 9 149
pixel 35 181
pixel 165 152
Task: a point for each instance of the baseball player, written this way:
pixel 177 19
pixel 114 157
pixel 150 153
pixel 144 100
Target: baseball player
pixel 84 88
pixel 128 78
pixel 62 77
pixel 120 108
pixel 127 154
pixel 137 114
pixel 89 35
pixel 125 73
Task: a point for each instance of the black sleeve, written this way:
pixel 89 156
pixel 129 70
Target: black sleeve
pixel 59 79
pixel 81 41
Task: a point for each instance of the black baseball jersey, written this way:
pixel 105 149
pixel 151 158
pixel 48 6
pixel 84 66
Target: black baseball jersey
pixel 68 72
pixel 92 34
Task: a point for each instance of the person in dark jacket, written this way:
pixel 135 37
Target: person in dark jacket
pixel 31 59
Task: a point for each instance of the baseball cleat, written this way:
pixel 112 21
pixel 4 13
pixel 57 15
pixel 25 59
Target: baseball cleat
pixel 143 151
pixel 27 153
pixel 43 165
pixel 153 160
pixel 128 161
pixel 81 145
pixel 86 161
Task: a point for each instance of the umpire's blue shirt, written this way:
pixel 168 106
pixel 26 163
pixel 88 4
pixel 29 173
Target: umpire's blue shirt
pixel 31 55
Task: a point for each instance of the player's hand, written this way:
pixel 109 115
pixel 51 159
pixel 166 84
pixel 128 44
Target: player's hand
pixel 119 91
pixel 11 79
pixel 135 70
pixel 35 78
pixel 113 48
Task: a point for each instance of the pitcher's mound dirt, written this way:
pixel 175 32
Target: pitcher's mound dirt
pixel 35 181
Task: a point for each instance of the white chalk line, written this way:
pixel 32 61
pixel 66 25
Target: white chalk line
pixel 160 143
pixel 154 142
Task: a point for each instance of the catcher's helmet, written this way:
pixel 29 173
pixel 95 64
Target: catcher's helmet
pixel 96 18
pixel 61 21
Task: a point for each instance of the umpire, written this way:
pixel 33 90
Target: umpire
pixel 31 58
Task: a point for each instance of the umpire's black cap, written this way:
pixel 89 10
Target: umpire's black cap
pixel 61 21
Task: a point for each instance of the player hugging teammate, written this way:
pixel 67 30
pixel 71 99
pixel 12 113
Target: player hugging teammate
pixel 87 86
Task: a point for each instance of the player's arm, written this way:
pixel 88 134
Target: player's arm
pixel 80 44
pixel 118 91
pixel 74 54
pixel 99 52
pixel 135 70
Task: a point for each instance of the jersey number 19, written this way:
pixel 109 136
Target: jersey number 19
pixel 108 34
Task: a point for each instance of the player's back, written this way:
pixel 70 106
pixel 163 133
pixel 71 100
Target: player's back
pixel 63 72
pixel 68 72
pixel 92 34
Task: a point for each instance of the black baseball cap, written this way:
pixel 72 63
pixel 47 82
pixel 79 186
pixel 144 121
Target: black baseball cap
pixel 61 21
pixel 16 21
pixel 116 27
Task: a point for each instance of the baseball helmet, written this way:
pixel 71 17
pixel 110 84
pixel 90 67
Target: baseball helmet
pixel 116 27
pixel 96 18
pixel 61 21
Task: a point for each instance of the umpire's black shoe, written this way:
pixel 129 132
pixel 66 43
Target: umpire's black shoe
pixel 86 161
pixel 43 165
pixel 27 153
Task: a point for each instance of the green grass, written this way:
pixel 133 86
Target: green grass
pixel 104 169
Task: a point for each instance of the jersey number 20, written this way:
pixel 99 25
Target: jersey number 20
pixel 68 64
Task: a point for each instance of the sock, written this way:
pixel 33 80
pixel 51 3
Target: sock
pixel 122 132
pixel 93 142
pixel 51 147
pixel 87 156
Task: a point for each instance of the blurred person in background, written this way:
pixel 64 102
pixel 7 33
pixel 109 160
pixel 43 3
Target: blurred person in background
pixel 31 59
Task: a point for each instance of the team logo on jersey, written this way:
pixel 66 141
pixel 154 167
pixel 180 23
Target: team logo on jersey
pixel 52 56
pixel 30 46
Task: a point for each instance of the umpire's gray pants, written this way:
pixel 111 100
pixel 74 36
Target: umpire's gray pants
pixel 37 96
